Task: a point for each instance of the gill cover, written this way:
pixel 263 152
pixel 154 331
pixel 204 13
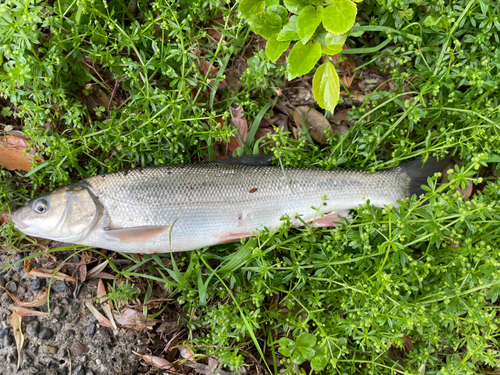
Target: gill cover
pixel 67 214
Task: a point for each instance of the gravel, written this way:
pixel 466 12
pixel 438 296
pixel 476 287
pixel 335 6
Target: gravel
pixel 79 370
pixel 11 286
pixel 4 332
pixel 45 334
pixel 38 284
pixel 90 329
pixel 33 328
pixel 58 287
pixel 8 340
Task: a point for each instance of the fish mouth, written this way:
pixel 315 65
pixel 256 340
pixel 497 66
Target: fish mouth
pixel 19 224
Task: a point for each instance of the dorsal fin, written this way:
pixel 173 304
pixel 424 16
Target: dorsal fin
pixel 263 160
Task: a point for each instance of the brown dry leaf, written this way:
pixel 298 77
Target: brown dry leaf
pixel 97 270
pixel 80 349
pixel 23 311
pixel 340 116
pixel 213 363
pixel 106 305
pixel 407 342
pixel 15 323
pixel 346 67
pixel 185 352
pixel 156 361
pixel 241 132
pixel 4 217
pixel 12 154
pixel 316 123
pixel 42 272
pixel 40 299
pixel 103 321
pixel 133 319
pixel 105 275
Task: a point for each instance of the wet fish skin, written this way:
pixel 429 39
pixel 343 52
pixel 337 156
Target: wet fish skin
pixel 180 208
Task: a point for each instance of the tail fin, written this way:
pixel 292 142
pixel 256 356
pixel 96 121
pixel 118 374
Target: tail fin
pixel 419 172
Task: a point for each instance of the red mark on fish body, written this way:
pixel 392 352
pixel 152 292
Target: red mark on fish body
pixel 231 237
pixel 252 190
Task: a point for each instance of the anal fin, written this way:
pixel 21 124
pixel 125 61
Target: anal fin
pixel 331 219
pixel 134 234
pixel 231 237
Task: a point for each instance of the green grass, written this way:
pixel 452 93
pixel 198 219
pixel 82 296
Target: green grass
pixel 427 271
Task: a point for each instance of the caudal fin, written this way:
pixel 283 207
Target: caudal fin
pixel 419 172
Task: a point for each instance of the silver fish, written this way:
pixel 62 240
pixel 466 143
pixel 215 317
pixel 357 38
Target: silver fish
pixel 186 207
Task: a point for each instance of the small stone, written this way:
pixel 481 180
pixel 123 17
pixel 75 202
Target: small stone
pixel 58 287
pixel 90 329
pixel 21 290
pixel 62 353
pixel 51 350
pixel 7 340
pixel 53 365
pixel 75 307
pixel 89 372
pixel 19 266
pixel 2 281
pixel 58 311
pixel 72 332
pixel 12 358
pixel 98 361
pixel 45 334
pixel 26 360
pixel 33 328
pixel 38 284
pixel 11 286
pixel 4 332
pixel 79 370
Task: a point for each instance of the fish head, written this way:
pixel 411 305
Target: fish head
pixel 67 214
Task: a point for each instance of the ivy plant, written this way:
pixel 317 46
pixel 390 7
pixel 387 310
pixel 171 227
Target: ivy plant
pixel 316 27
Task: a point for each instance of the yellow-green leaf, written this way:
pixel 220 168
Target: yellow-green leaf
pixel 248 8
pixel 303 57
pixel 331 50
pixel 266 24
pixel 289 31
pixel 295 6
pixel 308 22
pixel 326 86
pixel 274 48
pixel 339 18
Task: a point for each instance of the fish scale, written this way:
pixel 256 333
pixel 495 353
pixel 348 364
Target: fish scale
pixel 179 208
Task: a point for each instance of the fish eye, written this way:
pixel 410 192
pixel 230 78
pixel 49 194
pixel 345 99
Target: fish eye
pixel 41 206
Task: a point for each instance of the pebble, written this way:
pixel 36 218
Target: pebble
pixel 72 332
pixel 45 334
pixel 4 332
pixel 89 372
pixel 62 353
pixel 18 267
pixel 38 284
pixel 90 329
pixel 21 290
pixel 58 287
pixel 7 340
pixel 26 360
pixel 75 307
pixel 11 286
pixel 51 350
pixel 98 361
pixel 2 281
pixel 33 328
pixel 58 311
pixel 79 370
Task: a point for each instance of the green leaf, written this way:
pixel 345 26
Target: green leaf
pixel 298 358
pixel 331 50
pixel 335 40
pixel 286 347
pixel 266 24
pixel 317 2
pixel 307 353
pixel 248 8
pixel 281 11
pixel 319 362
pixel 308 22
pixel 274 48
pixel 326 87
pixel 306 340
pixel 270 3
pixel 339 18
pixel 303 57
pixel 295 6
pixel 289 31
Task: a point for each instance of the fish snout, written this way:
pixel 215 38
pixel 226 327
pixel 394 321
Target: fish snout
pixel 19 224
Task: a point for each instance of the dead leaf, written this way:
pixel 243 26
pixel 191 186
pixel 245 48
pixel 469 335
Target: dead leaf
pixel 80 349
pixel 185 352
pixel 315 123
pixel 42 272
pixel 213 363
pixel 23 311
pixel 106 305
pixel 156 361
pixel 40 299
pixel 4 217
pixel 346 67
pixel 12 155
pixel 15 323
pixel 407 342
pixel 105 275
pixel 97 270
pixel 103 321
pixel 340 116
pixel 241 132
pixel 421 369
pixel 133 319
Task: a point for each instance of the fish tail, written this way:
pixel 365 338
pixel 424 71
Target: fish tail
pixel 418 172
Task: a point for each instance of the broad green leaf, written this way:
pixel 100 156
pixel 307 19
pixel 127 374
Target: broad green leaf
pixel 289 31
pixel 307 353
pixel 303 57
pixel 295 6
pixel 281 11
pixel 319 362
pixel 308 22
pixel 306 340
pixel 326 86
pixel 298 358
pixel 316 2
pixel 339 18
pixel 249 8
pixel 331 50
pixel 270 3
pixel 274 49
pixel 266 24
pixel 335 40
pixel 286 346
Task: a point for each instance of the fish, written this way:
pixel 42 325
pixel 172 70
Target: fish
pixel 175 208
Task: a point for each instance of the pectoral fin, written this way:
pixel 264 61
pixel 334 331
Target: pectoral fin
pixel 331 219
pixel 135 234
